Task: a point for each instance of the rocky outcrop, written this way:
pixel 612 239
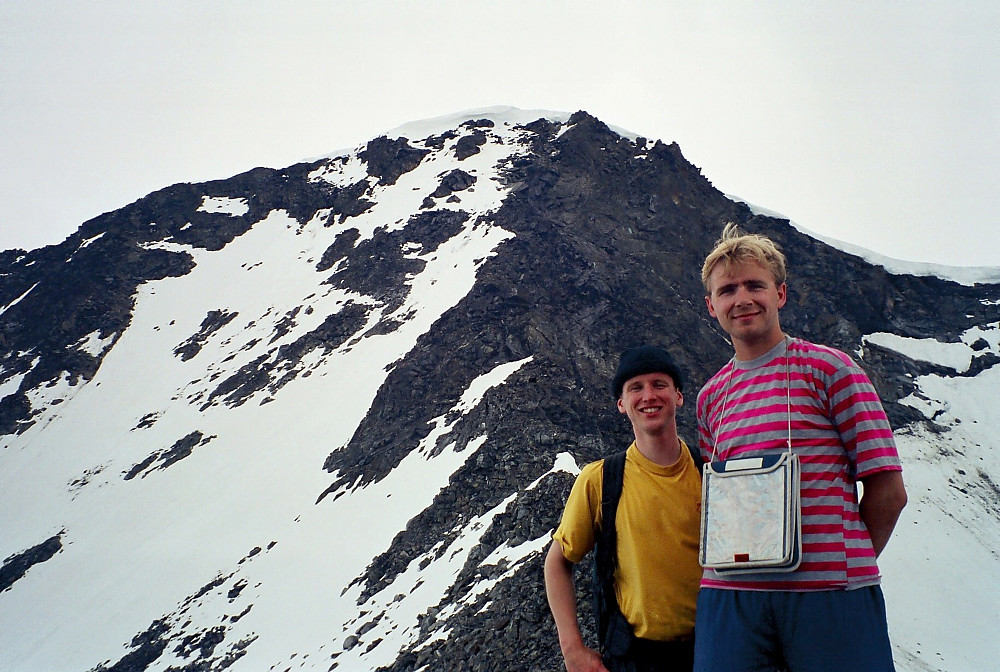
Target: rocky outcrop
pixel 16 566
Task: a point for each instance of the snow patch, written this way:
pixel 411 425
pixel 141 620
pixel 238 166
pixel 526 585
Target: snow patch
pixel 341 170
pixel 957 356
pixel 566 462
pixel 481 385
pixel 16 301
pixel 11 385
pixel 223 205
pixel 89 241
pixel 94 345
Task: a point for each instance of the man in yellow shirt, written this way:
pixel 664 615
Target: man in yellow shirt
pixel 657 526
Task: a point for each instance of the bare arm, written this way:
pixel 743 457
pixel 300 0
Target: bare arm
pixel 881 503
pixel 561 593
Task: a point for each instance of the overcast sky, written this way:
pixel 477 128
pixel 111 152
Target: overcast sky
pixel 875 123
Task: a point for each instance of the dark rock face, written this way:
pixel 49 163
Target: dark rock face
pixel 163 459
pixel 16 566
pixel 388 159
pixel 608 240
pixel 214 321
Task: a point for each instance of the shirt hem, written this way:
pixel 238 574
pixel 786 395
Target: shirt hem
pixel 790 587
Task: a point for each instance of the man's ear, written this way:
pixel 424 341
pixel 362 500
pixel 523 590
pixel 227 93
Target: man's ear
pixel 621 405
pixel 680 398
pixel 708 303
pixel 782 295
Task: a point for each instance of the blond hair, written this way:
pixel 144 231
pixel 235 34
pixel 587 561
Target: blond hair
pixel 736 247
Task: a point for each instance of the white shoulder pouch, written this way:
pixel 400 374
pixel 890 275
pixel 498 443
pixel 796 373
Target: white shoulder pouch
pixel 751 516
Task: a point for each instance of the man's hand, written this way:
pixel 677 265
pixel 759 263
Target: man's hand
pixel 583 659
pixel 562 601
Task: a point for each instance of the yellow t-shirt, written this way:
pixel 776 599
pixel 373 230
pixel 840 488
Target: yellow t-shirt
pixel 657 523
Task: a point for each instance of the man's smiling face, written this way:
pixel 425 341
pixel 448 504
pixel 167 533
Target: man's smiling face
pixel 745 300
pixel 650 401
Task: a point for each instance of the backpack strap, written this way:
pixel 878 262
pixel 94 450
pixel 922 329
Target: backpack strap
pixel 607 614
pixel 696 456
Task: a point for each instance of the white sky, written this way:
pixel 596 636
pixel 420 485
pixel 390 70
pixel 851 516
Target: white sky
pixel 873 123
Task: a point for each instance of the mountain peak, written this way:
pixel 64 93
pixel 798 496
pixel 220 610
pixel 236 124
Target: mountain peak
pixel 326 416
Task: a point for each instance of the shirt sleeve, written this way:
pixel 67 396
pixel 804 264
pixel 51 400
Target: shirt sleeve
pixel 576 531
pixel 860 418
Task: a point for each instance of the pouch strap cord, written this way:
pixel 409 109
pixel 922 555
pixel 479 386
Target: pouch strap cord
pixel 788 401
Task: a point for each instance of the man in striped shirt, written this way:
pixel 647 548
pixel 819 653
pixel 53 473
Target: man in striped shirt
pixel 827 614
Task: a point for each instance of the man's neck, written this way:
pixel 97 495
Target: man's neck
pixel 662 449
pixel 749 350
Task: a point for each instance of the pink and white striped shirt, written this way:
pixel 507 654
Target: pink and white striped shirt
pixel 840 433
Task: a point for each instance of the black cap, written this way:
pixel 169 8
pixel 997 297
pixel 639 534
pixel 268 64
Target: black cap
pixel 642 360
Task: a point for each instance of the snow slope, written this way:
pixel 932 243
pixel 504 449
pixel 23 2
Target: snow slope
pixel 240 513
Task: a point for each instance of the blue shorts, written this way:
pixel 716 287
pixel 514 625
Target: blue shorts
pixel 826 631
